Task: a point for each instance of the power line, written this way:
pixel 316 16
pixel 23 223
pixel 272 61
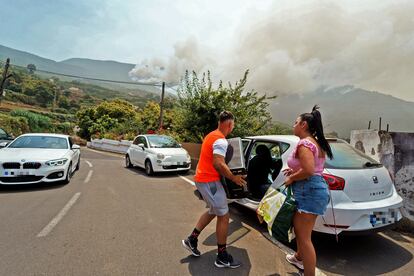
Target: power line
pixel 95 79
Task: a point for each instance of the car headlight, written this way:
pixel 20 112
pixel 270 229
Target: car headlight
pixel 57 162
pixel 188 157
pixel 160 156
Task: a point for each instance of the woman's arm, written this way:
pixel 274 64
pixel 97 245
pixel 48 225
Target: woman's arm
pixel 307 164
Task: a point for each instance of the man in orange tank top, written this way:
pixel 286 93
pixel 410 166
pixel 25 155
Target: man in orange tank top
pixel 210 166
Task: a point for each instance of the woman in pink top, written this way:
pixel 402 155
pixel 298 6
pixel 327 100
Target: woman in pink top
pixel 310 190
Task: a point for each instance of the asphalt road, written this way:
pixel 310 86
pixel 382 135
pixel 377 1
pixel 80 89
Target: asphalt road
pixel 115 221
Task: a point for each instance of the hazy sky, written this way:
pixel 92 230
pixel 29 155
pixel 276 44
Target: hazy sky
pixel 122 30
pixel 295 46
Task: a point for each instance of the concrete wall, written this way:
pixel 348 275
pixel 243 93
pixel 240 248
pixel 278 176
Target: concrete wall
pixel 396 151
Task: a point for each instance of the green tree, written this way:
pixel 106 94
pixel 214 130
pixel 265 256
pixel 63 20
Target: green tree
pixel 117 109
pixel 199 105
pixel 86 119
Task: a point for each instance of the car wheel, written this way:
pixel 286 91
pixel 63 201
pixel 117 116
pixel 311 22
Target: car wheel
pixel 78 165
pixel 68 174
pixel 128 163
pixel 148 168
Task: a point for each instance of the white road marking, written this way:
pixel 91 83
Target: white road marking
pixel 187 180
pixel 59 216
pixel 89 163
pixel 88 177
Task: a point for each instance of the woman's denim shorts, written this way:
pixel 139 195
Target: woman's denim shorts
pixel 311 195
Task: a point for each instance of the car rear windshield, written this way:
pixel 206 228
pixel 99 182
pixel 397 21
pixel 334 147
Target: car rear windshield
pixel 160 141
pixel 3 134
pixel 40 142
pixel 347 157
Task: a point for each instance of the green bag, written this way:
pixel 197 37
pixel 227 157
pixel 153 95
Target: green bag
pixel 282 225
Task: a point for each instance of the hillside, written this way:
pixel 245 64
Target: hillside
pixel 346 108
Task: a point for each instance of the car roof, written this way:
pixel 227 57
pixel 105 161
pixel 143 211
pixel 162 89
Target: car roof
pixel 287 138
pixel 46 134
pixel 280 138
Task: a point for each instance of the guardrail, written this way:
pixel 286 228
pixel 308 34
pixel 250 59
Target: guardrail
pixel 110 145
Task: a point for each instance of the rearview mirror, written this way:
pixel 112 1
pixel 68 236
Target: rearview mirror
pixel 3 144
pixel 75 147
pixel 141 145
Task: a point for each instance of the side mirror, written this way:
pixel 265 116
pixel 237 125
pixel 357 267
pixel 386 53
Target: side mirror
pixel 75 147
pixel 3 144
pixel 181 145
pixel 141 145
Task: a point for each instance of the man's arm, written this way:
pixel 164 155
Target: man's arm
pixel 222 168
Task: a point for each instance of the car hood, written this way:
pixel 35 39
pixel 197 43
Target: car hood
pixel 170 151
pixel 18 154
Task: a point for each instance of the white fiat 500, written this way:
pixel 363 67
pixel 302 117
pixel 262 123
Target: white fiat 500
pixel 157 153
pixel 34 158
pixel 362 192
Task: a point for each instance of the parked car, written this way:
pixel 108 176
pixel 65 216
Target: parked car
pixel 5 138
pixel 157 153
pixel 33 158
pixel 362 191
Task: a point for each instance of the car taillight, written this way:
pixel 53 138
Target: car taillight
pixel 334 182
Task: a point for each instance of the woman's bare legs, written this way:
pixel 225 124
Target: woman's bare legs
pixel 303 224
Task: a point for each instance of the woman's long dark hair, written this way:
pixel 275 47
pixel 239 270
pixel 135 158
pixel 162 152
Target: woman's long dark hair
pixel 314 121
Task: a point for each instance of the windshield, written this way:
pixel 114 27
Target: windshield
pixel 347 157
pixel 161 141
pixel 40 142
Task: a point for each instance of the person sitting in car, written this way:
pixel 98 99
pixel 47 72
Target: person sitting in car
pixel 260 166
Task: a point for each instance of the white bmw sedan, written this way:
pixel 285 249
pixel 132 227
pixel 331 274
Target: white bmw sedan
pixel 363 196
pixel 157 153
pixel 34 158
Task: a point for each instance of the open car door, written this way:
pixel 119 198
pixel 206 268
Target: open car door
pixel 236 162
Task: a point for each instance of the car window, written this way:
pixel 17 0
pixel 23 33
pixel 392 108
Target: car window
pixel 347 157
pixel 142 140
pixel 274 148
pixel 40 142
pixel 162 141
pixel 245 144
pixel 3 134
pixel 136 141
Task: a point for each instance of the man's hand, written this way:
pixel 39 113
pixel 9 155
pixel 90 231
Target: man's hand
pixel 239 180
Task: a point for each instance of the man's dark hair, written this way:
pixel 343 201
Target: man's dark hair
pixel 225 115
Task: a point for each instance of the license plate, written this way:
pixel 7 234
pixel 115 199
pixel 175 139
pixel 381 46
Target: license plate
pixel 16 173
pixel 380 218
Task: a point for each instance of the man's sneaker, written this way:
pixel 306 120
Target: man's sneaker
pixel 225 260
pixel 191 246
pixel 291 258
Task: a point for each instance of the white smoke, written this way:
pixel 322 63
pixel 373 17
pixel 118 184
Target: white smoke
pixel 299 48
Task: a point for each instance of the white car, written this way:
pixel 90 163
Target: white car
pixel 35 158
pixel 157 153
pixel 362 191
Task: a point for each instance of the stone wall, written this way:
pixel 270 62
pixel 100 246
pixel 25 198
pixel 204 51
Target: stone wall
pixel 396 151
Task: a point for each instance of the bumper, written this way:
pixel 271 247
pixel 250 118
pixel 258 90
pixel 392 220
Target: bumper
pixel 35 176
pixel 171 168
pixel 360 216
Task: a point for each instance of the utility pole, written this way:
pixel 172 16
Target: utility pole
pixel 162 105
pixel 4 78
